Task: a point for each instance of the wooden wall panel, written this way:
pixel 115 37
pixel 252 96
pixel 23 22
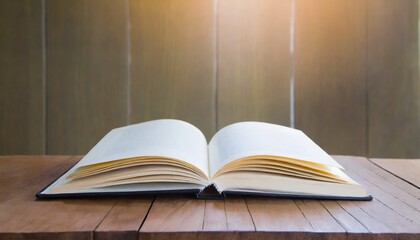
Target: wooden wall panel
pixel 21 83
pixel 172 73
pixel 253 61
pixel 393 79
pixel 87 72
pixel 211 63
pixel 330 65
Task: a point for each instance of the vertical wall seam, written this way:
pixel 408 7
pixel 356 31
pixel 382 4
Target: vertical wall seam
pixel 367 138
pixel 44 75
pixel 292 64
pixel 215 62
pixel 128 35
pixel 418 58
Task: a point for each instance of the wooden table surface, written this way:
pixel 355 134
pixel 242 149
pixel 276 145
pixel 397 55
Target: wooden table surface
pixel 393 214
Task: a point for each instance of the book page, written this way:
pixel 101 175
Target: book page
pixel 164 138
pixel 251 182
pixel 246 139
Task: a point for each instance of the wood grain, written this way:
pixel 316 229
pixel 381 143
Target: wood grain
pixel 215 222
pixel 253 61
pixel 23 217
pixel 375 226
pixel 214 216
pixel 173 217
pixel 277 214
pixel 238 216
pixel 180 217
pixel 400 181
pixel 330 74
pixel 172 66
pixel 320 219
pixel 124 220
pixel 401 215
pixel 393 79
pixel 226 219
pixel 87 72
pixel 22 172
pixel 408 168
pixel 385 190
pixel 346 220
pixel 22 112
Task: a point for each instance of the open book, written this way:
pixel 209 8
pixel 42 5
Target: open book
pixel 172 156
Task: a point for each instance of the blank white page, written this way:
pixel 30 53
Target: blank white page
pixel 257 138
pixel 167 138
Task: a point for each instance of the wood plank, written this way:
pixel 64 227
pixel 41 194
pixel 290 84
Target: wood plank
pixel 172 67
pixel 384 187
pixel 320 219
pixel 393 79
pixel 215 218
pixel 24 217
pixel 400 216
pixel 346 220
pixel 253 61
pixel 238 216
pixel 87 72
pixel 402 184
pixel 22 172
pixel 330 73
pixel 406 169
pixel 393 220
pixel 173 217
pixel 374 225
pixel 277 219
pixel 124 220
pixel 367 168
pixel 393 183
pixel 215 222
pixel 22 111
pixel 225 219
pixel 191 218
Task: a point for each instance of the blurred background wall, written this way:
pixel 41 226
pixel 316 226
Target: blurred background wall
pixel 346 72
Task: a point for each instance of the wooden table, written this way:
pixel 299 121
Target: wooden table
pixel 393 214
